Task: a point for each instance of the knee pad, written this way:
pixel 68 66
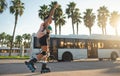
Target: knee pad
pixel 43 53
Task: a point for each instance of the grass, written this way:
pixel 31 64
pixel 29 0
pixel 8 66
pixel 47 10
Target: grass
pixel 14 57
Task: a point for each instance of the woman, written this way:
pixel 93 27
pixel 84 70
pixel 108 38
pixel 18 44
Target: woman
pixel 43 35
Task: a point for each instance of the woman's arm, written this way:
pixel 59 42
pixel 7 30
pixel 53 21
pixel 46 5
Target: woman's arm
pixel 51 13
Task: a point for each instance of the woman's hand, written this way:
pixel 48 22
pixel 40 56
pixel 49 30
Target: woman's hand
pixel 56 5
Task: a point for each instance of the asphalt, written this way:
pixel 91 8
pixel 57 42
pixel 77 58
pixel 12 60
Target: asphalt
pixel 63 73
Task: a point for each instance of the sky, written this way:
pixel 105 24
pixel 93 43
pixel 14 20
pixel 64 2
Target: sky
pixel 29 22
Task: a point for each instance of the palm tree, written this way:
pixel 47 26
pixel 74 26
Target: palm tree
pixel 26 38
pixel 70 12
pixel 58 12
pixel 43 12
pixel 89 19
pixel 3 5
pixel 2 38
pixel 18 40
pixel 103 15
pixel 29 39
pixel 114 19
pixel 58 16
pixel 77 18
pixel 61 21
pixel 8 40
pixel 16 8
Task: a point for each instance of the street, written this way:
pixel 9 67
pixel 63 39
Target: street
pixel 76 68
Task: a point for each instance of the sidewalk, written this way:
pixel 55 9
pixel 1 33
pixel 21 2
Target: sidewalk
pixel 80 73
pixel 69 73
pixel 2 61
pixel 22 61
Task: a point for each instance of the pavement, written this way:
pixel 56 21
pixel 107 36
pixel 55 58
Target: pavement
pixel 68 73
pixel 92 72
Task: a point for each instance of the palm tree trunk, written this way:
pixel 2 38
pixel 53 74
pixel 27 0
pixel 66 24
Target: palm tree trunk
pixel 16 18
pixel 73 27
pixel 77 28
pixel 59 29
pixel 116 31
pixel 55 30
pixel 55 27
pixel 105 31
pixel 102 30
pixel 90 30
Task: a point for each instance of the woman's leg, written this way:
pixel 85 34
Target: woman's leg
pixel 44 49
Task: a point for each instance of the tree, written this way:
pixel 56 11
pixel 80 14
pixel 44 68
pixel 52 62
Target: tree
pixel 77 19
pixel 103 14
pixel 61 21
pixel 89 19
pixel 18 40
pixel 43 12
pixel 114 19
pixel 3 5
pixel 8 40
pixel 58 12
pixel 70 12
pixel 16 8
pixel 2 38
pixel 26 38
pixel 58 19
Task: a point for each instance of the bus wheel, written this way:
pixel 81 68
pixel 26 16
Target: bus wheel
pixel 67 56
pixel 114 56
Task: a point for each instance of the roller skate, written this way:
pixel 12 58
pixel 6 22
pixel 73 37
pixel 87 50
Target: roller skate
pixel 45 69
pixel 30 66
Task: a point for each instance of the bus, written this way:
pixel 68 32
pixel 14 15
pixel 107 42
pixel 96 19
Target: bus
pixel 4 51
pixel 74 47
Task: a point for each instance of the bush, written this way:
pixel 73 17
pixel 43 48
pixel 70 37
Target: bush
pixel 14 57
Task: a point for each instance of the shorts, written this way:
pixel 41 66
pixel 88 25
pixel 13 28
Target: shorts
pixel 43 40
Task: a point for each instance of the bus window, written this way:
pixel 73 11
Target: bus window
pixel 62 44
pixel 89 45
pixel 94 45
pixel 4 51
pixel 81 44
pixel 76 43
pixel 69 43
pixel 114 44
pixel 100 45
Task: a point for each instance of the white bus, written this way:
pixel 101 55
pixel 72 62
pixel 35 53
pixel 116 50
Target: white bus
pixel 4 51
pixel 73 47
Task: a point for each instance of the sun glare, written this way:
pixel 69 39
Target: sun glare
pixel 118 28
pixel 110 30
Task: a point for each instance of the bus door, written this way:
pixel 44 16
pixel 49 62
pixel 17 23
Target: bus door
pixel 92 49
pixel 53 48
